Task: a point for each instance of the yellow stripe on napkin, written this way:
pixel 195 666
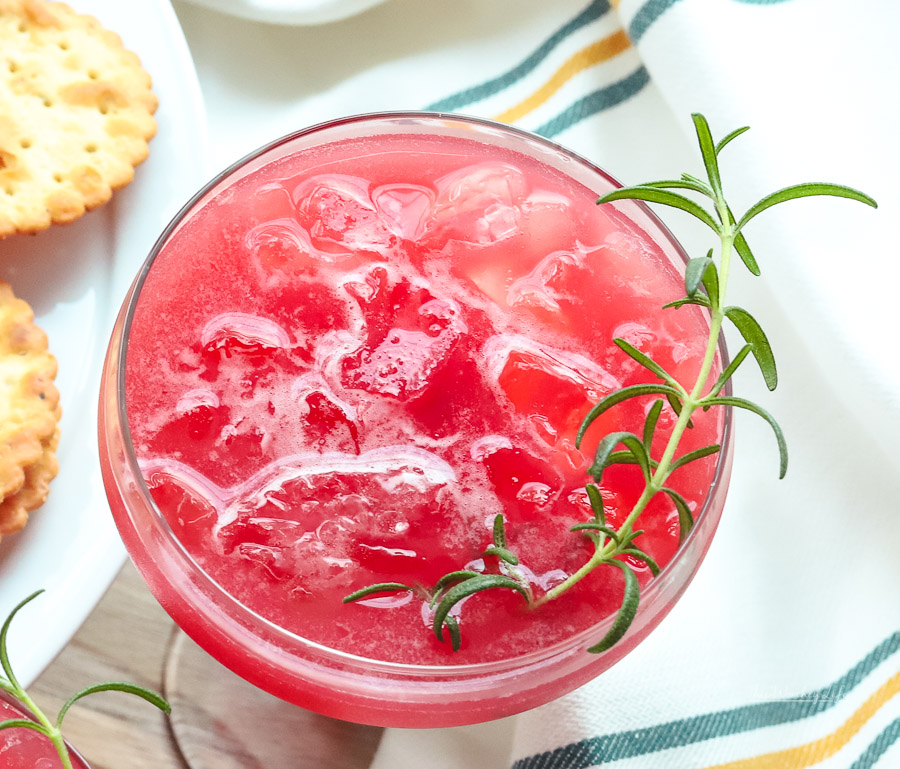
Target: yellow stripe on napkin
pixel 814 752
pixel 581 60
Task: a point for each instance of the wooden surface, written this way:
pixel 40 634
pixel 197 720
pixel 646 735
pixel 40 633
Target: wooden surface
pixel 126 638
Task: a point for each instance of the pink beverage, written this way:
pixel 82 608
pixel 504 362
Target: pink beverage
pixel 343 360
pixel 26 749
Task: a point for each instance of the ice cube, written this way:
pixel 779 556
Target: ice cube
pixel 281 246
pixel 324 411
pixel 198 398
pixel 192 502
pixel 535 493
pixel 554 388
pixel 479 204
pixel 537 289
pixel 548 221
pixel 339 215
pixel 240 331
pixel 404 208
pixel 476 187
pixel 410 333
pixel 401 365
pixel 524 482
pixel 488 445
pixel 637 335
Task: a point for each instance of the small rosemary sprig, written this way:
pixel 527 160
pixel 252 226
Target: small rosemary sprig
pixel 42 724
pixel 453 587
pixel 705 284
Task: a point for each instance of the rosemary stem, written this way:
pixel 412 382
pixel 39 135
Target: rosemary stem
pixel 52 732
pixel 692 401
pixel 57 739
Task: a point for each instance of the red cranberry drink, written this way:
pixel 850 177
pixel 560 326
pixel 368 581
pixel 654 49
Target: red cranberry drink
pixel 343 361
pixel 22 748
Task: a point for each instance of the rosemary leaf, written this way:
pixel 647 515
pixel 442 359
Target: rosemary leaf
pixel 449 579
pixel 677 406
pixel 711 281
pixel 650 424
pixel 707 190
pixel 692 456
pixel 759 342
pixel 453 577
pixel 632 391
pixel 685 518
pixel 593 526
pixel 802 191
pixel 627 458
pixel 606 446
pixel 696 299
pixel 453 628
pixel 742 403
pixel 626 612
pixel 730 137
pixel 471 586
pixel 663 197
pixel 645 360
pixel 693 274
pixel 708 151
pixel 642 556
pixel 503 554
pixel 743 250
pixel 23 723
pixel 596 500
pixel 730 369
pixel 684 183
pixel 4 632
pixel 114 686
pixel 381 587
pixel 499 531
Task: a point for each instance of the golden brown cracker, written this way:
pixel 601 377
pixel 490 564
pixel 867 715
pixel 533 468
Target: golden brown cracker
pixel 29 412
pixel 14 508
pixel 76 112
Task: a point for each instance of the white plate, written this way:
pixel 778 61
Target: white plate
pixel 291 11
pixel 76 277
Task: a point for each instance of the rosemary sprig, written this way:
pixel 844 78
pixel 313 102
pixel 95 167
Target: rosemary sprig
pixel 705 282
pixel 42 724
pixel 453 587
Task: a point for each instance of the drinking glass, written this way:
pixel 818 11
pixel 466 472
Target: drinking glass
pixel 334 683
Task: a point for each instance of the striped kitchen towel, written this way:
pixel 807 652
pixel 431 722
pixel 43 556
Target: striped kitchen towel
pixel 785 652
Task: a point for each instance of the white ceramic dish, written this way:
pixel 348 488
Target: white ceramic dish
pixel 75 277
pixel 291 11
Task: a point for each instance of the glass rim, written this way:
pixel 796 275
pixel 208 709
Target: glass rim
pixel 567 645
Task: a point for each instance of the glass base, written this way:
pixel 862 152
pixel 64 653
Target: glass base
pixel 219 721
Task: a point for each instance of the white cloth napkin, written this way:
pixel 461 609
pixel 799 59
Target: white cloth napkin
pixel 784 651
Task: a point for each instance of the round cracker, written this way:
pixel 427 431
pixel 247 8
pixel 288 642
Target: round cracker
pixel 14 508
pixel 76 112
pixel 29 412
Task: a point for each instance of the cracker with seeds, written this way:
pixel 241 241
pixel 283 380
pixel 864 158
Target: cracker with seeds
pixel 76 113
pixel 29 413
